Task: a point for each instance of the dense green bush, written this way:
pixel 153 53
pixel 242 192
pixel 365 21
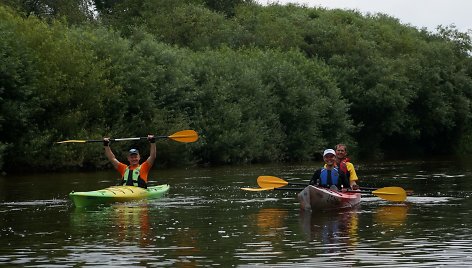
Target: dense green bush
pixel 259 84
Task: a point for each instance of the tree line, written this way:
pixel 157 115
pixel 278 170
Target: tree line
pixel 259 83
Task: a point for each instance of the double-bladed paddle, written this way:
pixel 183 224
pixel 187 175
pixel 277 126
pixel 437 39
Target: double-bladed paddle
pixel 180 136
pixel 267 183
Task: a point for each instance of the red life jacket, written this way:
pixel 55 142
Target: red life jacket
pixel 343 167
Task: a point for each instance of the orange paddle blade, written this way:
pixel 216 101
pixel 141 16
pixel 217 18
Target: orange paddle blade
pixel 184 136
pixel 270 182
pixel 72 141
pixel 395 194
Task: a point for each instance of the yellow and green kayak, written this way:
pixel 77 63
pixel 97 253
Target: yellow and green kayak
pixel 117 194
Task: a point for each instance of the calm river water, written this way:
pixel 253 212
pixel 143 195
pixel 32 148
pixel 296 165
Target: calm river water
pixel 206 220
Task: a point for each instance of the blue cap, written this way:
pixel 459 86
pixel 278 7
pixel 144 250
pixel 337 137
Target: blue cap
pixel 133 151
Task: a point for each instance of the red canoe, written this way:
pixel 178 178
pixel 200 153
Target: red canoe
pixel 317 198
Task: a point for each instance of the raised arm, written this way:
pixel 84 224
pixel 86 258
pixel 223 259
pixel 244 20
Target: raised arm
pixel 152 150
pixel 109 154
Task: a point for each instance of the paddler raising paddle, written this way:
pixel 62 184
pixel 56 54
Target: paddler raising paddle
pixel 329 175
pixel 134 174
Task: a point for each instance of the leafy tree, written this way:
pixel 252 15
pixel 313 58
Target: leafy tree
pixel 75 11
pixel 226 7
pixel 17 72
pixel 233 108
pixel 259 83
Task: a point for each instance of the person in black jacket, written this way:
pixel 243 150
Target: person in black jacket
pixel 329 176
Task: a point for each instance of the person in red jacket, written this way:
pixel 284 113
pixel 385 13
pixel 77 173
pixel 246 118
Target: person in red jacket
pixel 134 174
pixel 345 165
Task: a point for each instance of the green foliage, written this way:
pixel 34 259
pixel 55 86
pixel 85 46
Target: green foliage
pixel 233 109
pixel 310 107
pixel 274 83
pixel 74 11
pixel 189 25
pixel 226 7
pixel 60 88
pixel 271 27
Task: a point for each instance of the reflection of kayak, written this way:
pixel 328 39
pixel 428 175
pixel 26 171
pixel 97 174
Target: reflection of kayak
pixel 117 194
pixel 318 198
pixel 331 228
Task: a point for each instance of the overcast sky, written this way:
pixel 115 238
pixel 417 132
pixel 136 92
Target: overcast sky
pixel 419 13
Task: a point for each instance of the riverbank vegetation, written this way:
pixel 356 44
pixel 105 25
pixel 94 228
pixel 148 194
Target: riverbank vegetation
pixel 258 83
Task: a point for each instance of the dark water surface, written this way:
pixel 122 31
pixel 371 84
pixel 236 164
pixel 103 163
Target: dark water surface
pixel 206 220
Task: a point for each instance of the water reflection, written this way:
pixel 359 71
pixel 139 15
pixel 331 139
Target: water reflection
pixel 269 235
pixel 136 229
pixel 391 215
pixel 332 230
pixel 125 222
pixel 269 220
pixel 207 221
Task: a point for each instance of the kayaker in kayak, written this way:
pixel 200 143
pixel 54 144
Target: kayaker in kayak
pixel 135 174
pixel 345 165
pixel 329 175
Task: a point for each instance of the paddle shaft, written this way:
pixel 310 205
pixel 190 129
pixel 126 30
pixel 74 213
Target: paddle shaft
pixel 129 139
pixel 353 191
pixel 297 184
pixel 360 191
pixel 364 190
pixel 184 136
pixel 408 192
pixel 368 188
pixel 289 189
pixel 300 189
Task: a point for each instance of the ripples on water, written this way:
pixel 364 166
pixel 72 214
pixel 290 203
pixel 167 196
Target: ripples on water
pixel 206 220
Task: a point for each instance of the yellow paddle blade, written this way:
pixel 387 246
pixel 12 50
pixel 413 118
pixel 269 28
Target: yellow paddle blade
pixel 258 189
pixel 184 136
pixel 72 141
pixel 270 182
pixel 395 194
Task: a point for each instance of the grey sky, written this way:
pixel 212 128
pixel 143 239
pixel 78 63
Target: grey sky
pixel 418 13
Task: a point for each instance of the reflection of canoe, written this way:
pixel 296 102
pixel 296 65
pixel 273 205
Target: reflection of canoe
pixel 117 194
pixel 318 198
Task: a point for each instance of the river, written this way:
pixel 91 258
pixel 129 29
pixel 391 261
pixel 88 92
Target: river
pixel 206 220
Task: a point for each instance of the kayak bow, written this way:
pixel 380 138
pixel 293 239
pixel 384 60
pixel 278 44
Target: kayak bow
pixel 318 198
